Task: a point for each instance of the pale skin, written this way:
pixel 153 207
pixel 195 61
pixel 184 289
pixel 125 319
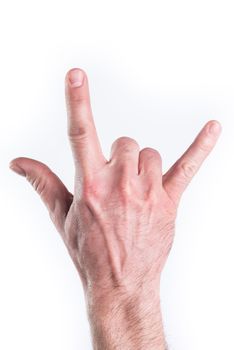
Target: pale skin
pixel 119 224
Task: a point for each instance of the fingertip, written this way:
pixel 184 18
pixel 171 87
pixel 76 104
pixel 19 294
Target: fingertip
pixel 16 168
pixel 12 163
pixel 75 77
pixel 214 127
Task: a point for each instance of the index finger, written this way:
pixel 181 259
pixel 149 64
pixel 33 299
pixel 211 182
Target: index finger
pixel 82 133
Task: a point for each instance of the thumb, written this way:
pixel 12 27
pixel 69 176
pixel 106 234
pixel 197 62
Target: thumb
pixel 52 191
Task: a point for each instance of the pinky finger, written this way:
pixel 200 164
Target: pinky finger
pixel 177 178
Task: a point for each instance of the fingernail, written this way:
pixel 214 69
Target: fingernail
pixel 76 77
pixel 215 128
pixel 17 169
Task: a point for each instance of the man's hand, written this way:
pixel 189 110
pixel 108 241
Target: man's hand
pixel 119 224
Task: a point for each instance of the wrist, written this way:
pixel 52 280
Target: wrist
pixel 126 321
pixel 104 301
pixel 103 293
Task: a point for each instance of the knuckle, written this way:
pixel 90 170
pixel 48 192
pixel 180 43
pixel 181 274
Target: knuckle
pixel 76 134
pixel 125 189
pixel 204 145
pixel 152 197
pixel 39 183
pixel 80 133
pixel 91 192
pixel 79 130
pixel 151 153
pixel 187 169
pixel 124 142
pixel 88 189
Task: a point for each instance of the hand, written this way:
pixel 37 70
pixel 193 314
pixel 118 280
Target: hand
pixel 119 224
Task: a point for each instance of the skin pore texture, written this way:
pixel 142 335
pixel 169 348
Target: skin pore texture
pixel 118 225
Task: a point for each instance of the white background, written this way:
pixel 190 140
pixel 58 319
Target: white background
pixel 158 71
